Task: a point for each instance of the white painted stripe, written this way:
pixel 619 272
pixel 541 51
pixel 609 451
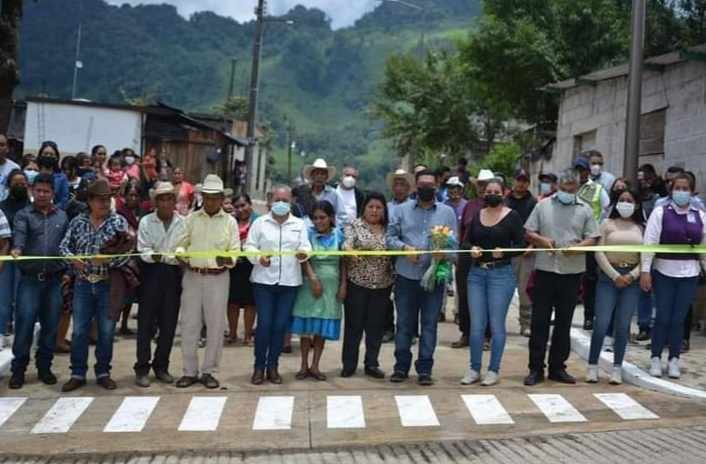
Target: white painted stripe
pixel 416 411
pixel 274 413
pixel 345 412
pixel 8 406
pixel 557 409
pixel 203 414
pixel 626 407
pixel 132 414
pixel 62 416
pixel 486 410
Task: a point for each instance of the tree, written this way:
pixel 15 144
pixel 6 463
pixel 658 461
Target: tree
pixel 10 15
pixel 235 108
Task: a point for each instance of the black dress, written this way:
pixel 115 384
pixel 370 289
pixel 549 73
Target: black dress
pixel 241 290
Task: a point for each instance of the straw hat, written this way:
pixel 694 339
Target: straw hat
pixel 212 185
pixel 320 163
pixel 400 174
pixel 454 182
pixel 485 175
pixel 162 188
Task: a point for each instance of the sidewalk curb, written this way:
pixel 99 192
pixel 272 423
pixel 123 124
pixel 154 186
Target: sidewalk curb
pixel 580 344
pixel 6 354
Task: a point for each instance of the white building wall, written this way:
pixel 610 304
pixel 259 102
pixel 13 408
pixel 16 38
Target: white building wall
pixel 680 89
pixel 77 128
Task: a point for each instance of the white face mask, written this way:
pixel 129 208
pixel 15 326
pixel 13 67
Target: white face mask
pixel 348 182
pixel 130 160
pixel 596 169
pixel 625 209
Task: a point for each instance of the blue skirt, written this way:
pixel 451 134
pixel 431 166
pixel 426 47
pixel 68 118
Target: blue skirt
pixel 328 329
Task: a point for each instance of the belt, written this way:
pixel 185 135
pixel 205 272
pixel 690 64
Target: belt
pixel 42 276
pixel 624 265
pixel 492 264
pixel 94 278
pixel 208 271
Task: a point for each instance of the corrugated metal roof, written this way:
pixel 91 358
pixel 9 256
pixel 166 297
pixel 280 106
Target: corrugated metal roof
pixel 668 59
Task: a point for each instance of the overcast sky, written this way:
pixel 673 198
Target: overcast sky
pixel 342 12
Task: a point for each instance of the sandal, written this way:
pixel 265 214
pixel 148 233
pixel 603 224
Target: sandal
pixel 302 374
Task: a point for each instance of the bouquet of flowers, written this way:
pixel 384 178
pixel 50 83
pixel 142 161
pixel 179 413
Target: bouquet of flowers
pixel 439 272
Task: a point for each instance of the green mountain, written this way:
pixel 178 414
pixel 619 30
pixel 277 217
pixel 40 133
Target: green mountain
pixel 318 79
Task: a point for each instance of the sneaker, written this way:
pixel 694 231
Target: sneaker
pixel 490 379
pixel 470 378
pixel 643 336
pixel 616 377
pixel 673 368
pixel 592 373
pixel 656 367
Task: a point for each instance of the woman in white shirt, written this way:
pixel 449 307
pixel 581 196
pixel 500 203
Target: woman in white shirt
pixel 275 279
pixel 674 276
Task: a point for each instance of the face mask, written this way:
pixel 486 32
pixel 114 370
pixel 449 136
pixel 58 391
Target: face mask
pixel 545 188
pixel 596 169
pixel 348 182
pixel 566 197
pixel 493 200
pixel 681 197
pixel 31 174
pixel 625 209
pixel 281 208
pixel 130 160
pixel 19 193
pixel 426 193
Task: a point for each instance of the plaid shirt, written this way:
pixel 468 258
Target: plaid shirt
pixel 83 239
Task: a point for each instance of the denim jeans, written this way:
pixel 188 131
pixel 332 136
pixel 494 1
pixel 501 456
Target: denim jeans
pixel 274 315
pixel 644 310
pixel 414 305
pixel 37 301
pixel 490 292
pixel 616 305
pixel 91 301
pixel 9 279
pixel 673 295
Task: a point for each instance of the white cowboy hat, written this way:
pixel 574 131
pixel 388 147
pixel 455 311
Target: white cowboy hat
pixel 212 184
pixel 320 163
pixel 485 175
pixel 400 174
pixel 162 188
pixel 454 182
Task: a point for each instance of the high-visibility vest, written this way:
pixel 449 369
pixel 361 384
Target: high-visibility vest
pixel 590 193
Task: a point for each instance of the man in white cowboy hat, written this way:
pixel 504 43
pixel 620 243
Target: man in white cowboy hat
pixel 204 297
pixel 161 284
pixel 319 174
pixel 400 184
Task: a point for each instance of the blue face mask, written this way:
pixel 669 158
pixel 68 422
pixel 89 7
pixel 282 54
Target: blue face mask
pixel 681 197
pixel 281 208
pixel 566 198
pixel 545 188
pixel 31 174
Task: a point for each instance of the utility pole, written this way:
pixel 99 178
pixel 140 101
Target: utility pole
pixel 77 63
pixel 233 65
pixel 290 146
pixel 634 104
pixel 254 84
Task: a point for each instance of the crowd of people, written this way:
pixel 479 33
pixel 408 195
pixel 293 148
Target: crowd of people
pixel 113 231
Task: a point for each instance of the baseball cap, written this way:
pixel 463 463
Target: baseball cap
pixel 522 174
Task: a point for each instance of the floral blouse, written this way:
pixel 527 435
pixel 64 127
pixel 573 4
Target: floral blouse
pixel 373 272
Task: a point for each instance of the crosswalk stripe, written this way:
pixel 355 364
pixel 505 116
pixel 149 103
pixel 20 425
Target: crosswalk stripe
pixel 203 414
pixel 274 413
pixel 132 414
pixel 8 406
pixel 416 411
pixel 557 409
pixel 486 410
pixel 62 416
pixel 625 407
pixel 345 412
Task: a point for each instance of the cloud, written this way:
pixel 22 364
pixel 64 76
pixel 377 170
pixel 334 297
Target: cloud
pixel 342 12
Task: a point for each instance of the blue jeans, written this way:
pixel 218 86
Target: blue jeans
pixel 9 279
pixel 413 305
pixel 490 292
pixel 673 295
pixel 37 301
pixel 644 311
pixel 91 301
pixel 613 305
pixel 274 315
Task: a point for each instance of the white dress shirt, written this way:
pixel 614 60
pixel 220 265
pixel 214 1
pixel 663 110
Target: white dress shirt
pixel 154 237
pixel 204 233
pixel 671 267
pixel 349 203
pixel 268 235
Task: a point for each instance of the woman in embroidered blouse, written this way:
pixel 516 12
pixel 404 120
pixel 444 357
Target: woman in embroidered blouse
pixel 370 280
pixel 317 310
pixel 674 276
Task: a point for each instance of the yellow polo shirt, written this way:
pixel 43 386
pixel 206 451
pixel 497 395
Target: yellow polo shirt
pixel 208 233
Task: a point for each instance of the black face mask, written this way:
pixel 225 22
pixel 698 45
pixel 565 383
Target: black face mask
pixel 19 193
pixel 426 193
pixel 493 200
